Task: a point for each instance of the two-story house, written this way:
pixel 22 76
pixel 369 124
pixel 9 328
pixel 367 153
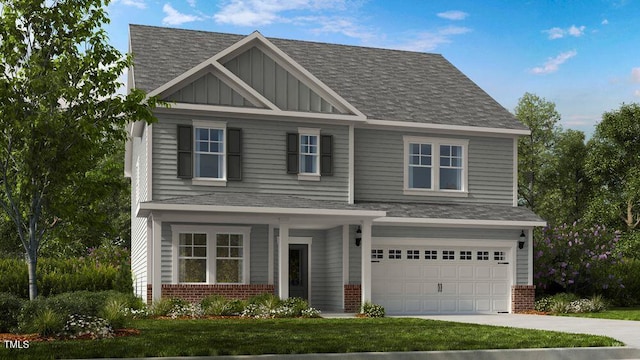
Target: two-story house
pixel 335 173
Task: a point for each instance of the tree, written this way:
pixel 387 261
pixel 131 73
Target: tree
pixel 613 164
pixel 567 186
pixel 534 155
pixel 58 107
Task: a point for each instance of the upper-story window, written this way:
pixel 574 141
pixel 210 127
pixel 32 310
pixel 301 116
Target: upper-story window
pixel 435 166
pixel 309 154
pixel 209 153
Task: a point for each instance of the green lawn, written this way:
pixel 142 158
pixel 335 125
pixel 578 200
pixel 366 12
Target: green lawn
pixel 615 313
pixel 288 336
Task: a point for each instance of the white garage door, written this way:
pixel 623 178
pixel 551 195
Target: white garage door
pixel 422 279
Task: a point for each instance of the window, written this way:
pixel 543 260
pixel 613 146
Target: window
pixel 465 255
pixel 431 254
pixel 448 255
pixel 209 153
pixel 377 254
pixel 192 258
pixel 214 255
pixel 229 258
pixel 498 255
pixel 483 255
pixel 309 154
pixel 395 254
pixel 413 254
pixel 435 166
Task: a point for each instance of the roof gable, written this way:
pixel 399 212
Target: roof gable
pixel 390 85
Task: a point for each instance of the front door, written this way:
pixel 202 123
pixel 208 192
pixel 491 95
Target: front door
pixel 299 271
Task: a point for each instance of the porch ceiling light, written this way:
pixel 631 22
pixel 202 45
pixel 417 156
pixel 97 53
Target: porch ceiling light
pixel 521 241
pixel 358 236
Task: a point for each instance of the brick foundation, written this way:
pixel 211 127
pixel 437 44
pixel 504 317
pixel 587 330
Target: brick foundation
pixel 523 298
pixel 352 298
pixel 196 292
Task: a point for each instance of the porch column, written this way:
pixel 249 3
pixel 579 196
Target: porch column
pixel 366 261
pixel 156 258
pixel 283 262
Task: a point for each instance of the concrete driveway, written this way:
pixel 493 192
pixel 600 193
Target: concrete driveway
pixel 626 331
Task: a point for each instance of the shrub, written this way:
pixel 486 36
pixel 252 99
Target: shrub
pixel 577 259
pixel 218 305
pixel 45 322
pixel 570 303
pixel 372 310
pixel 175 308
pixel 310 313
pixel 629 293
pixel 10 306
pixel 116 312
pixel 92 327
pixel 296 305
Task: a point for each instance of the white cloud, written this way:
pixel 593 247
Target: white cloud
pixel 191 3
pixel 553 64
pixel 428 41
pixel 605 22
pixel 558 33
pixel 265 12
pixel 337 25
pixel 174 17
pixel 637 93
pixel 453 15
pixel 140 4
pixel 635 75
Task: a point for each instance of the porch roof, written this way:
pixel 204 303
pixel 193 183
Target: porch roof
pixel 383 213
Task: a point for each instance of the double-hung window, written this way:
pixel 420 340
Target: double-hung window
pixel 435 166
pixel 309 154
pixel 212 255
pixel 209 153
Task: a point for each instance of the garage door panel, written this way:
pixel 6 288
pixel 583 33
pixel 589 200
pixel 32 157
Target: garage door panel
pixel 421 280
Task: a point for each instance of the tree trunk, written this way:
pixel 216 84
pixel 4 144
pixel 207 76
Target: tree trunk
pixel 32 261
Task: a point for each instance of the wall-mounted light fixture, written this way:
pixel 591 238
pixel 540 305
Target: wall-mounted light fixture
pixel 358 236
pixel 522 239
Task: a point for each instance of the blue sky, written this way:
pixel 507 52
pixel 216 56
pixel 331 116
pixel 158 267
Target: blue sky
pixel 582 55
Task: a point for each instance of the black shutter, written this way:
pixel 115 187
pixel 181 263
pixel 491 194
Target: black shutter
pixel 326 155
pixel 292 153
pixel 234 154
pixel 185 148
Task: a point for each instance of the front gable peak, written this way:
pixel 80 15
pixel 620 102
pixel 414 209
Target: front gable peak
pixel 254 73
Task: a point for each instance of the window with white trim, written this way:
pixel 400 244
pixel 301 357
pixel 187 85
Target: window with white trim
pixel 209 154
pixel 498 255
pixel 465 255
pixel 483 255
pixel 214 255
pixel 377 254
pixel 413 254
pixel 448 255
pixel 431 254
pixel 395 254
pixel 309 153
pixel 435 166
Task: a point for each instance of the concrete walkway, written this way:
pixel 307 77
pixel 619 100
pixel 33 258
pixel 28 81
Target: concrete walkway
pixel 627 332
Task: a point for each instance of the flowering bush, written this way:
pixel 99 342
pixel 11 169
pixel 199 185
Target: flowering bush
pixel 372 310
pixel 87 326
pixel 310 313
pixel 576 258
pixel 570 303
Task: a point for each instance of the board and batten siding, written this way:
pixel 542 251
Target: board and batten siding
pixel 208 90
pixel 263 161
pixel 139 192
pixel 379 168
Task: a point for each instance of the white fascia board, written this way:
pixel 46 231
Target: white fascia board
pixel 128 157
pixel 404 125
pixel 260 113
pixel 150 207
pixel 457 222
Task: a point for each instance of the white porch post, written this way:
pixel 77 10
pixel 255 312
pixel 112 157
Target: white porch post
pixel 283 262
pixel 270 260
pixel 156 277
pixel 365 285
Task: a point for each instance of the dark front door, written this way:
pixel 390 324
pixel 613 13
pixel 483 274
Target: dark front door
pixel 299 271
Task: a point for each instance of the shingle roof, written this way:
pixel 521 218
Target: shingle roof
pixel 383 84
pixel 401 210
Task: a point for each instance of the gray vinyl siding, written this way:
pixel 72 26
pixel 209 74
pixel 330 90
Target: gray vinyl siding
pixel 263 158
pixel 257 251
pixel 355 258
pixel 276 84
pixel 139 256
pixel 522 268
pixel 379 168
